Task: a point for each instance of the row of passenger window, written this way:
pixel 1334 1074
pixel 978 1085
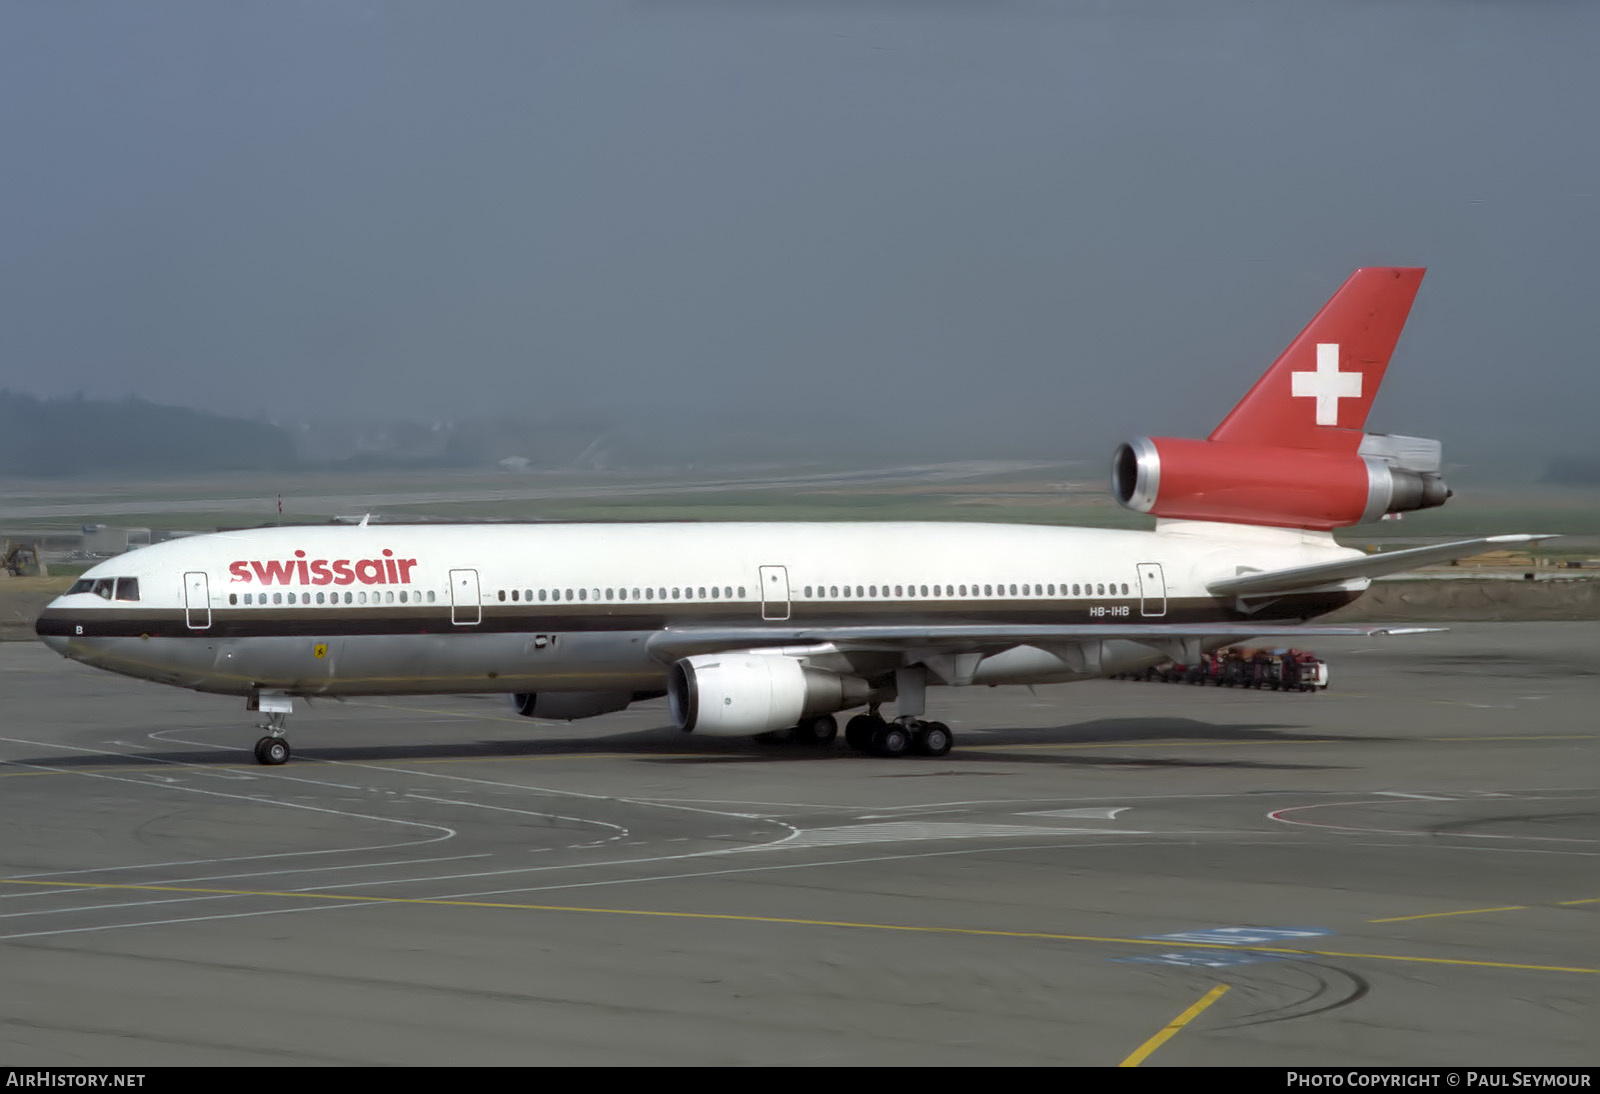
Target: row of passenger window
pixel 725 592
pixel 681 592
pixel 385 597
pixel 812 592
pixel 834 592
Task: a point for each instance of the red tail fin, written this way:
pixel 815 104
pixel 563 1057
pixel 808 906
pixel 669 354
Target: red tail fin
pixel 1317 393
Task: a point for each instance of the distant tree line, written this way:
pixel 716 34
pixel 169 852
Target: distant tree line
pixel 78 436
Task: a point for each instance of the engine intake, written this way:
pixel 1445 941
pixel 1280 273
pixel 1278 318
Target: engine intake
pixel 743 694
pixel 1316 489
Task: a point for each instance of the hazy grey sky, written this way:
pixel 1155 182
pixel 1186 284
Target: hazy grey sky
pixel 1059 221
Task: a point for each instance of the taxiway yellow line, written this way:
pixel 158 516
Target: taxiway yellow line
pixel 1172 1027
pixel 1480 911
pixel 1437 915
pixel 971 745
pixel 729 917
pixel 1523 737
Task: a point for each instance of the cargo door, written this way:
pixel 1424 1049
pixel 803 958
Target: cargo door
pixel 1152 590
pixel 196 600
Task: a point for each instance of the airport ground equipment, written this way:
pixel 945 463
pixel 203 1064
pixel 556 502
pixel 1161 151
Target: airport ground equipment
pixel 1241 667
pixel 22 560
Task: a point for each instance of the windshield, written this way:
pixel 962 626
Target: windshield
pixel 122 588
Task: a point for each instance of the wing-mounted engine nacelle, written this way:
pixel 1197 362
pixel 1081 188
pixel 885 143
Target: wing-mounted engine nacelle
pixel 1320 489
pixel 567 706
pixel 743 694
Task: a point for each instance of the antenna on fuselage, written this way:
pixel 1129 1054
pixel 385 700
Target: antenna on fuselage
pixel 365 517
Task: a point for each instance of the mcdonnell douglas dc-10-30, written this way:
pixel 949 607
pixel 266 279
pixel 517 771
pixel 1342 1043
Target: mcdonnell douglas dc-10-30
pixel 758 628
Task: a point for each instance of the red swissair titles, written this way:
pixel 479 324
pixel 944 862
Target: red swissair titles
pixel 387 570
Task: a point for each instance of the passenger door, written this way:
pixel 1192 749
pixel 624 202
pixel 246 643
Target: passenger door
pixel 466 606
pixel 1152 590
pixel 774 592
pixel 196 600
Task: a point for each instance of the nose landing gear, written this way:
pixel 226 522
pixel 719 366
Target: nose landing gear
pixel 272 749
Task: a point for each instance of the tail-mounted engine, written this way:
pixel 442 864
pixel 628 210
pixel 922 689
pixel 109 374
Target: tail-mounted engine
pixel 1313 488
pixel 743 694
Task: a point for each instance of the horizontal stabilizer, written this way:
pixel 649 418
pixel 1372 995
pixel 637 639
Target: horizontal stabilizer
pixel 1389 562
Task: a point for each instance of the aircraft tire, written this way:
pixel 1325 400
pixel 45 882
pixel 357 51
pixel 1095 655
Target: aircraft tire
pixel 858 732
pixel 934 739
pixel 820 730
pixel 272 751
pixel 890 739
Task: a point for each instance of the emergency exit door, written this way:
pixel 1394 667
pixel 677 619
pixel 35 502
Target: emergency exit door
pixel 1152 590
pixel 466 607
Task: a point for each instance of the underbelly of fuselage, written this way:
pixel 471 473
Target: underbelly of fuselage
pixel 383 664
pixel 477 664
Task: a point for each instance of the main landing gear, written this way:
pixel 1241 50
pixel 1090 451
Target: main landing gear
pixel 908 733
pixel 272 749
pixel 904 736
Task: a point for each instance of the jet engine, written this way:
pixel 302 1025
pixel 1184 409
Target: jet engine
pixel 1319 489
pixel 743 694
pixel 567 706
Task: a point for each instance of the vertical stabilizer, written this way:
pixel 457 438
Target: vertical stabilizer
pixel 1319 390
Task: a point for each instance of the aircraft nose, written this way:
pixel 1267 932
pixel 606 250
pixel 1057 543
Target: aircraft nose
pixel 50 630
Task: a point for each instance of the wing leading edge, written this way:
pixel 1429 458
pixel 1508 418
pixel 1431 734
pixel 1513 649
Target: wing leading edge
pixel 673 643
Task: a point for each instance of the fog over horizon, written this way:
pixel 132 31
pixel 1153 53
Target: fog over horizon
pixel 1010 227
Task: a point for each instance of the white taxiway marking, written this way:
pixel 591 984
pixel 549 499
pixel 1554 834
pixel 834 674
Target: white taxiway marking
pixel 525 812
pixel 1092 813
pixel 500 892
pixel 897 831
pixel 1278 815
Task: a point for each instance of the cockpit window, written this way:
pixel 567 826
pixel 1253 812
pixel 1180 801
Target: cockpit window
pixel 107 588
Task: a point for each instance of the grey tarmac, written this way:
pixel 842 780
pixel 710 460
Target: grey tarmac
pixel 1403 870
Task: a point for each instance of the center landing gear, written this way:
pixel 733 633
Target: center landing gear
pixel 272 749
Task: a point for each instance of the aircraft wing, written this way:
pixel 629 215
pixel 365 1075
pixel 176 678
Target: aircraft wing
pixel 1389 562
pixel 676 642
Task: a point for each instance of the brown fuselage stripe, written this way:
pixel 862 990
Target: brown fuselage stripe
pixel 335 620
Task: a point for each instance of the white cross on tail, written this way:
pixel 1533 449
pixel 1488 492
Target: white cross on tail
pixel 1327 385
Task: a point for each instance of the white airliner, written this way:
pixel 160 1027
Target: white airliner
pixel 753 628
